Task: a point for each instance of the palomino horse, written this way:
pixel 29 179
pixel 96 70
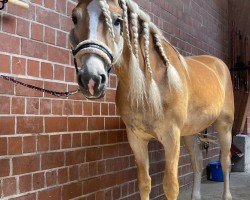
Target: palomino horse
pixel 160 95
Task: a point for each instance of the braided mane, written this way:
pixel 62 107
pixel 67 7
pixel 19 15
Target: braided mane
pixel 143 88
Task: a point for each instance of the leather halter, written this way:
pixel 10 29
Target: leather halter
pixel 93 47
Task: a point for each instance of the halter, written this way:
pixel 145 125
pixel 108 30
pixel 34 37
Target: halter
pixel 93 47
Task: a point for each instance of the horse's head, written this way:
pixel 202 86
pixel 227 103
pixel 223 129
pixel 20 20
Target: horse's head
pixel 97 43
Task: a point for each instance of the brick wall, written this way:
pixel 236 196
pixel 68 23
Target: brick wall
pixel 58 148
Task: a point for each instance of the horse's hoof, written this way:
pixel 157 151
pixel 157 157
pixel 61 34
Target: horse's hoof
pixel 227 197
pixel 196 197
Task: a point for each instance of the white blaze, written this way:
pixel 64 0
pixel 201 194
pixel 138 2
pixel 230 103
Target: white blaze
pixel 94 11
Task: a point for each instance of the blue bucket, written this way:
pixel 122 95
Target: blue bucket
pixel 216 173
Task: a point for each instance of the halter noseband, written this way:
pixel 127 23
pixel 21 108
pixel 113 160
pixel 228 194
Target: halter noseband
pixel 93 47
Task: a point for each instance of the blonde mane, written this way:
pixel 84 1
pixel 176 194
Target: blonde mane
pixel 143 88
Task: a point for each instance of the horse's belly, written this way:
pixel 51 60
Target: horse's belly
pixel 200 119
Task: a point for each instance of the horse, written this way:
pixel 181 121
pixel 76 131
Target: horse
pixel 160 95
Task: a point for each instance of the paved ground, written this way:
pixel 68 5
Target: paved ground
pixel 240 188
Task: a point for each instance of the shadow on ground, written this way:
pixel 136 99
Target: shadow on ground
pixel 240 188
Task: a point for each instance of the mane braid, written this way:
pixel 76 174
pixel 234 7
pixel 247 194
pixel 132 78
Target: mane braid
pixel 134 22
pixel 146 44
pixel 105 9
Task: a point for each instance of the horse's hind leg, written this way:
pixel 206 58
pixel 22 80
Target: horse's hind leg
pixel 195 152
pixel 223 126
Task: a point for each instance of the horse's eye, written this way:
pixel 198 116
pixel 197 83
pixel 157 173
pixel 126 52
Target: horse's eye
pixel 74 19
pixel 118 21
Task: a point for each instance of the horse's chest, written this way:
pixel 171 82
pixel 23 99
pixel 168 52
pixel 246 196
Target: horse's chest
pixel 142 123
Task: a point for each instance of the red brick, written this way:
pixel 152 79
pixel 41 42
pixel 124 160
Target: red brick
pixel 52 160
pixel 47 17
pixel 49 4
pixel 5 63
pixel 45 106
pixel 96 108
pixel 11 44
pixel 3 145
pixel 25 164
pixel 23 27
pixel 63 175
pixel 4 167
pixel 55 142
pixel 18 65
pixel 50 35
pixel 112 123
pixel 73 173
pixel 33 68
pixel 38 180
pixel 61 39
pixel 110 151
pixel 95 123
pixel 71 190
pixel 59 72
pixel 42 143
pixel 53 194
pixel 66 23
pixel 24 91
pixel 85 139
pixel 68 107
pixel 75 157
pixel 77 140
pixel 54 86
pixel 91 185
pixel 55 124
pixel 29 144
pixel 9 186
pixel 5 105
pixel 25 183
pixel 32 106
pixel 78 108
pixel 47 70
pixel 18 105
pixel 29 124
pixel 87 108
pixel 34 49
pixel 6 87
pixel 95 139
pixel 61 6
pixel 15 10
pixel 9 24
pixel 93 154
pixel 37 32
pixel 57 106
pixel 66 141
pixel 77 123
pixel 70 74
pixel 7 125
pixel 51 178
pixel 84 171
pixel 112 109
pixel 104 109
pixel 58 55
pixel 15 145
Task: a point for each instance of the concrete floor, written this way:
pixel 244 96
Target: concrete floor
pixel 240 188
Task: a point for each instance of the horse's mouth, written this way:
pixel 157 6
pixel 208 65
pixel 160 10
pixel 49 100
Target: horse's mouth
pixel 100 94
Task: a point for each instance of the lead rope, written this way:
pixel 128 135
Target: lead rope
pixel 54 93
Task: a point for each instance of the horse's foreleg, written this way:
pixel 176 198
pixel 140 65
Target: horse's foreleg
pixel 197 163
pixel 140 150
pixel 171 143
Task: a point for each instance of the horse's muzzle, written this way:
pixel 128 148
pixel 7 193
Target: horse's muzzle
pixel 92 86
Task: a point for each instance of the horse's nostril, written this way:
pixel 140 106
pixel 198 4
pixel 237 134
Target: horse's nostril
pixel 103 78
